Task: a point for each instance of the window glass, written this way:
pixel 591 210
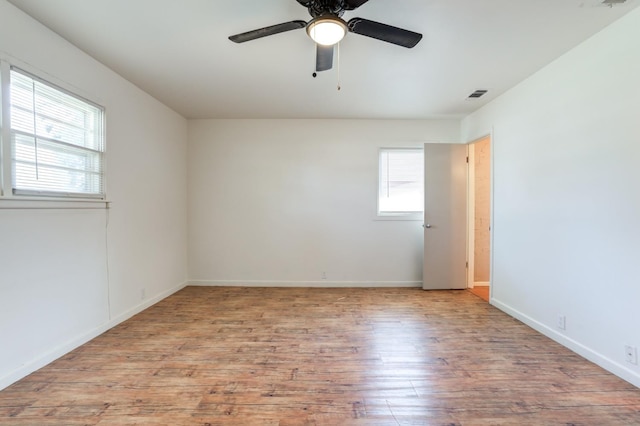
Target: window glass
pixel 57 140
pixel 400 185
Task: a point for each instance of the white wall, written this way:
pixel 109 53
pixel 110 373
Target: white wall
pixel 567 196
pixel 58 286
pixel 278 202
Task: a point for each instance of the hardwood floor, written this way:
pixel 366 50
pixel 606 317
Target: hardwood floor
pixel 482 292
pixel 257 356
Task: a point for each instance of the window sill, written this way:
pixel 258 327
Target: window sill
pixel 25 203
pixel 400 216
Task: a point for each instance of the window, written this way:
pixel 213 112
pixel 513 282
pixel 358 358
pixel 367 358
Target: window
pixel 56 141
pixel 400 183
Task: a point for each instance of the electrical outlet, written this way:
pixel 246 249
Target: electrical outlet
pixel 562 322
pixel 324 275
pixel 631 354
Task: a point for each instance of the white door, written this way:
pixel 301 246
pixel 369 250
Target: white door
pixel 445 216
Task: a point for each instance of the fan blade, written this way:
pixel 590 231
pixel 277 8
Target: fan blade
pixel 324 57
pixel 305 3
pixel 384 32
pixel 267 31
pixel 353 4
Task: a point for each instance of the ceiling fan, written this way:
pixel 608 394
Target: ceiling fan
pixel 327 28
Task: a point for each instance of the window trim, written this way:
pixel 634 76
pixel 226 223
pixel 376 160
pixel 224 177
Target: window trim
pixel 395 216
pixel 24 198
pixel 5 131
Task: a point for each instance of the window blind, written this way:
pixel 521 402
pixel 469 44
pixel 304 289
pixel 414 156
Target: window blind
pixel 400 188
pixel 57 140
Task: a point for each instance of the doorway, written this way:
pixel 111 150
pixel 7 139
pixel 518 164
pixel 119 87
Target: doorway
pixel 479 241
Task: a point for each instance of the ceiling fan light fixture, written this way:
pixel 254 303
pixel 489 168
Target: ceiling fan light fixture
pixel 327 30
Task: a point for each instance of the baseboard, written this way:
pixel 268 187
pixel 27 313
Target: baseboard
pixel 608 364
pixel 45 359
pixel 144 305
pixel 315 284
pixel 481 284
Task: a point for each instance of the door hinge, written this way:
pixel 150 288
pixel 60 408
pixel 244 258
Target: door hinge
pixel 467 159
pixel 466 265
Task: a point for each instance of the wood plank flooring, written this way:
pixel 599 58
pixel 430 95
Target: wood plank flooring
pixel 275 356
pixel 482 292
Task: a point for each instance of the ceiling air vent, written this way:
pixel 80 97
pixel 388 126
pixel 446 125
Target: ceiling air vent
pixel 477 94
pixel 612 2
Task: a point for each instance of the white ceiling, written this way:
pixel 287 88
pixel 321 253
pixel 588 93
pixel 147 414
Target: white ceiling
pixel 178 51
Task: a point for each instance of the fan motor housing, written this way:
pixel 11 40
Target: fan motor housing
pixel 326 7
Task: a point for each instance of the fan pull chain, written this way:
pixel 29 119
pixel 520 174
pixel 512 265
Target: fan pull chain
pixel 338 46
